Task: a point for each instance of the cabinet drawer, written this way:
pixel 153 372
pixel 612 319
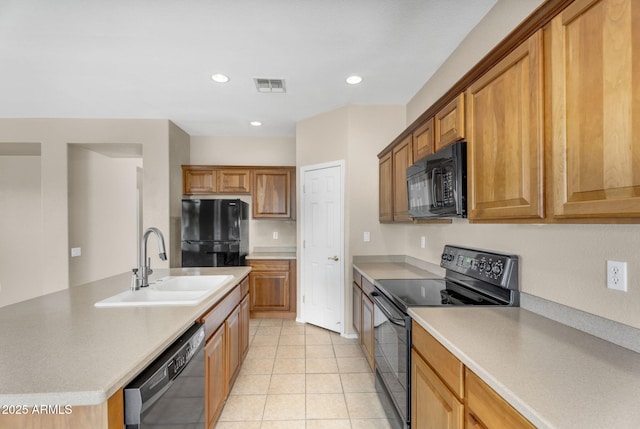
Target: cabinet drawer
pixel 488 408
pixel 440 359
pixel 244 286
pixel 216 316
pixel 357 278
pixel 269 265
pixel 367 286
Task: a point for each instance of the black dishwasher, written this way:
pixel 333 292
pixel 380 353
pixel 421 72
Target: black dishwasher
pixel 169 393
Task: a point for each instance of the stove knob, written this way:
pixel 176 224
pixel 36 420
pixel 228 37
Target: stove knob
pixel 488 267
pixel 482 265
pixel 497 268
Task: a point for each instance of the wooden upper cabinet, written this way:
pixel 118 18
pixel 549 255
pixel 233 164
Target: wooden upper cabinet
pixel 386 188
pixel 234 181
pixel 423 140
pixel 198 180
pixel 272 193
pixel 505 137
pixel 449 123
pixel 402 159
pixel 595 105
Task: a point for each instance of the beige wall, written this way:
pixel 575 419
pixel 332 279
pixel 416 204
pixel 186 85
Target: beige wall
pixel 54 135
pixel 102 214
pixel 220 150
pixel 495 26
pixel 179 154
pixel 270 151
pixel 354 134
pixel 20 228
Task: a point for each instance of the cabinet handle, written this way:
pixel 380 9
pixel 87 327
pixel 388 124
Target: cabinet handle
pixel 333 258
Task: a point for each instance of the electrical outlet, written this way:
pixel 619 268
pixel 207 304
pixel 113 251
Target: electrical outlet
pixel 275 235
pixel 423 242
pixel 617 275
pixel 367 236
pixel 76 251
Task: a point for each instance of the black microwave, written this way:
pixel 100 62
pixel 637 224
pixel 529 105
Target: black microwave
pixel 437 185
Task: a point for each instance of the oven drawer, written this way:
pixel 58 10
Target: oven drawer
pixel 444 363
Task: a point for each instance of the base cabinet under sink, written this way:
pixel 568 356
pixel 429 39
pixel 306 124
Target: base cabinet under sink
pixel 227 328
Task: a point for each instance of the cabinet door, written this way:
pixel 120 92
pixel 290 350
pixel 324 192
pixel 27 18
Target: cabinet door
pixel 234 353
pixel 486 409
pixel 272 193
pixel 367 330
pixel 402 159
pixel 244 326
pixel 386 189
pixel 433 405
pixel 505 145
pixel 423 144
pixel 215 376
pixel 269 286
pixel 357 309
pixel 450 123
pixel 233 181
pixel 595 97
pixel 198 180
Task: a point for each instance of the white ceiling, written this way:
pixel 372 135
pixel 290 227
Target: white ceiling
pixel 154 58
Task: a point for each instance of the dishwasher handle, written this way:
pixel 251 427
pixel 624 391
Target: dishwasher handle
pixel 378 300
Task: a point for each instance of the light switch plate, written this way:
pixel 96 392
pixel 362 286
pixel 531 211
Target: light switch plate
pixel 275 235
pixel 423 242
pixel 367 236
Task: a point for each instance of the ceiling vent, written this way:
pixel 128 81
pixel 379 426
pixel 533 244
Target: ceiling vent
pixel 270 85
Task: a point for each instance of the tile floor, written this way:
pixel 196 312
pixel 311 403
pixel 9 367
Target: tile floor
pixel 301 376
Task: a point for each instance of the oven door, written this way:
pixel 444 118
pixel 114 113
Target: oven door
pixel 392 347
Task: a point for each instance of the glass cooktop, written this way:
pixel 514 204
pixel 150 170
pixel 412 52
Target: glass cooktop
pixel 431 293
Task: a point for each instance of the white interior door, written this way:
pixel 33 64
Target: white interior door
pixel 323 245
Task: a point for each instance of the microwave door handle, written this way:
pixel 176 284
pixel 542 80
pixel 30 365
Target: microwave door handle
pixel 434 191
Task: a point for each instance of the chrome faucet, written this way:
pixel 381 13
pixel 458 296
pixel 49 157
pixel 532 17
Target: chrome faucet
pixel 144 265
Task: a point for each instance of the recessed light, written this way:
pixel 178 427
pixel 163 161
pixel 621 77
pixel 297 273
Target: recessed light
pixel 354 80
pixel 220 78
pixel 255 123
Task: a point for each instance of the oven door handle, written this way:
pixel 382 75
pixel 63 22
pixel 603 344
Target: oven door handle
pixel 378 301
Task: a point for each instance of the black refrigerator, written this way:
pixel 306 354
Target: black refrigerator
pixel 215 233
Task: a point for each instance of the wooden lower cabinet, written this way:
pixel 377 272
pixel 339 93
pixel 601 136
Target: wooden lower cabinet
pixel 215 376
pixel 244 326
pixel 234 352
pixel 272 288
pixel 433 405
pixel 227 328
pixel 367 330
pixel 447 395
pixel 357 309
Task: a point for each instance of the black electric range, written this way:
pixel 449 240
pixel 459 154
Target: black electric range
pixel 473 277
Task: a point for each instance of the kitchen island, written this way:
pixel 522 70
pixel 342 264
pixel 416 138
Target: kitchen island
pixel 60 351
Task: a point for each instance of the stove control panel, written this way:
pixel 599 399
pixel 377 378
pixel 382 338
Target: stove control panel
pixel 491 267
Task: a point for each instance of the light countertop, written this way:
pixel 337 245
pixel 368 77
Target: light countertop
pixel 554 375
pixel 60 349
pixel 393 270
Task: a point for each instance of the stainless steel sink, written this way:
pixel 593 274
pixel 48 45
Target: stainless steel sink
pixel 172 290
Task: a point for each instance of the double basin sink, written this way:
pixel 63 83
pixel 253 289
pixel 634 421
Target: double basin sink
pixel 171 290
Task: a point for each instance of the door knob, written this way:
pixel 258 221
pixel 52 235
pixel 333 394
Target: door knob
pixel 333 258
